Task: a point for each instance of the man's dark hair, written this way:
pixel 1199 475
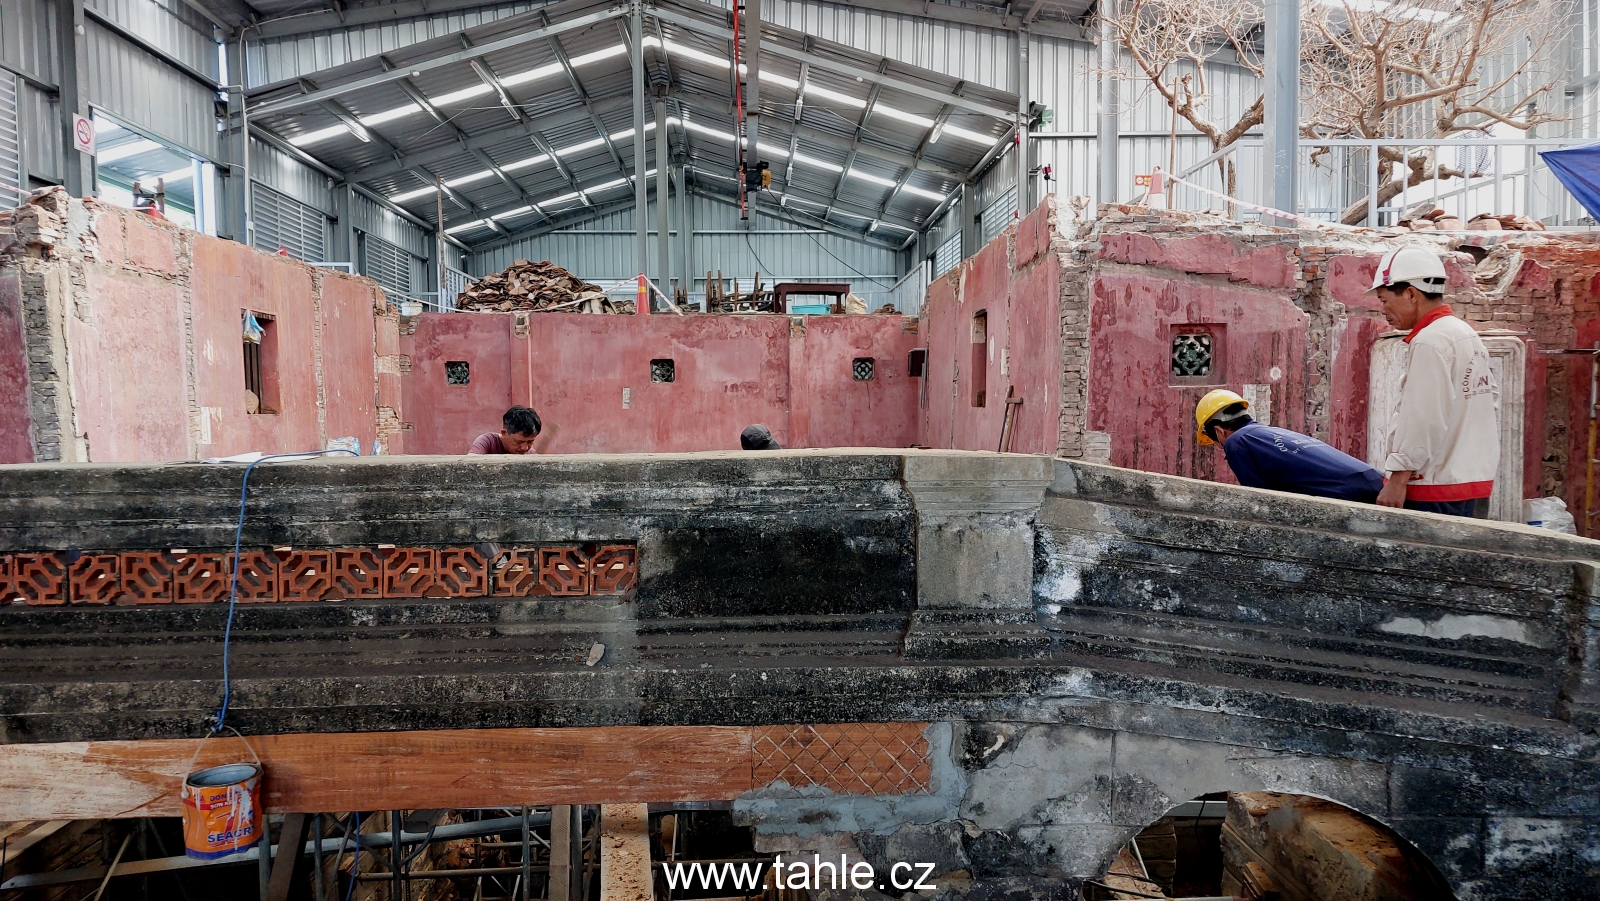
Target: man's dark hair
pixel 1232 417
pixel 757 437
pixel 521 420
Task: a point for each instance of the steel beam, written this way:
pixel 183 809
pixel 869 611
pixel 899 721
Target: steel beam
pixel 483 140
pixel 855 140
pixel 841 67
pixel 271 107
pixel 299 23
pixel 922 147
pixel 588 104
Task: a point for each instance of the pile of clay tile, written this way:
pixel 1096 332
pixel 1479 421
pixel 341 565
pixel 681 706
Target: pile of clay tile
pixel 541 287
pixel 1423 219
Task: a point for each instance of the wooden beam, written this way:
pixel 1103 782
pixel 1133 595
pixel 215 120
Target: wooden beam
pixel 625 853
pixel 288 868
pixel 310 773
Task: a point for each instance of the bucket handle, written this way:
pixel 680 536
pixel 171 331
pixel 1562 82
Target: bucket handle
pixel 202 744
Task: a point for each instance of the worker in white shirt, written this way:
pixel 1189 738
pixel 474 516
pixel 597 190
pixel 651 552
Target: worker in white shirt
pixel 1444 441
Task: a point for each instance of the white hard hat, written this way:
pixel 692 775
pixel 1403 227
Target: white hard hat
pixel 1410 266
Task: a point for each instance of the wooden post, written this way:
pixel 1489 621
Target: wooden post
pixel 625 853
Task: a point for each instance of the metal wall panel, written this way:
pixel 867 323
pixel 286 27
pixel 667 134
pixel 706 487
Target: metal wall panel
pixel 602 251
pixel 41 134
pixel 374 219
pixel 25 38
pixel 982 55
pixel 292 57
pixel 388 264
pixel 287 175
pixel 140 89
pixel 282 221
pixel 175 28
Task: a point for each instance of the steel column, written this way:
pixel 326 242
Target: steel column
pixel 663 211
pixel 77 169
pixel 1024 183
pixel 1282 104
pixel 1107 189
pixel 752 86
pixel 641 197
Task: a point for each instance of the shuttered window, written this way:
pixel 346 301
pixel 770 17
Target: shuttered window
pixel 388 264
pixel 999 215
pixel 282 221
pixel 10 144
pixel 948 255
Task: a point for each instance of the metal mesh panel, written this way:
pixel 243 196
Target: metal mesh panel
pixel 388 264
pixel 287 223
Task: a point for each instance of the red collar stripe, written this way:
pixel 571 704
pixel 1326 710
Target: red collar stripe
pixel 1430 318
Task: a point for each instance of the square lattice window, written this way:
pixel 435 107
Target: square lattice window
pixel 663 371
pixel 861 369
pixel 457 372
pixel 1193 355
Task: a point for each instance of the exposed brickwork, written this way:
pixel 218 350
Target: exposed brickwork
pixel 92 278
pixel 1543 287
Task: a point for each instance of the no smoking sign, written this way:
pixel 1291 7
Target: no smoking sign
pixel 83 134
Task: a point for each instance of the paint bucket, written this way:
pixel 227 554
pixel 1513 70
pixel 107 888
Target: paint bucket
pixel 221 807
pixel 410 308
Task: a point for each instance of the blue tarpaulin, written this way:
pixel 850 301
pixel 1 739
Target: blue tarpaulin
pixel 1579 170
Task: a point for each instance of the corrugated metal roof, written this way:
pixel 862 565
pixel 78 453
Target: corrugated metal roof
pixel 869 112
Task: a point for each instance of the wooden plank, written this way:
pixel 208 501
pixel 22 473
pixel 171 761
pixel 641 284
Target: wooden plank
pixel 288 868
pixel 625 853
pixel 313 773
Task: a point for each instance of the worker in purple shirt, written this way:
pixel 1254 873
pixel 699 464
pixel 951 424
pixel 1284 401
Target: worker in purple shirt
pixel 520 429
pixel 1265 457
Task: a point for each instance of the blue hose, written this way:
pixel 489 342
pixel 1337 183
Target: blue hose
pixel 220 718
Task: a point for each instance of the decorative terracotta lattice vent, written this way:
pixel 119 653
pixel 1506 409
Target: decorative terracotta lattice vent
pixel 315 574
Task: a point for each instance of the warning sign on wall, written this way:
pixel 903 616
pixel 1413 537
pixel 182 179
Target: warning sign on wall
pixel 83 134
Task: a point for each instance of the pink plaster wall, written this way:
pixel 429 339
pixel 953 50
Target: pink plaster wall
pixel 1016 283
pixel 730 371
pixel 16 415
pixel 154 354
pixel 129 386
pixel 1350 357
pixel 1151 421
pixel 234 277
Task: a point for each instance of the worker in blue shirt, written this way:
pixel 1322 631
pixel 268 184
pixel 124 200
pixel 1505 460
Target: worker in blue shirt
pixel 1265 457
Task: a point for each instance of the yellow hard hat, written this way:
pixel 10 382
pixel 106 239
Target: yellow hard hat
pixel 1213 403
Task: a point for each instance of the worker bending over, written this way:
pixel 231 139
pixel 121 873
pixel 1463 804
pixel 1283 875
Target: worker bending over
pixel 1265 457
pixel 1444 438
pixel 520 428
